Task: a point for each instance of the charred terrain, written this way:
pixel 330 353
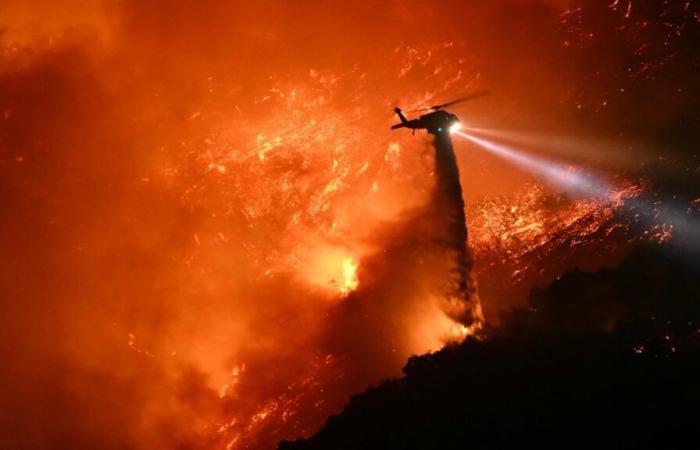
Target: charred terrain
pixel 598 360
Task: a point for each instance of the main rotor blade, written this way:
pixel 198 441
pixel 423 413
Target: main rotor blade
pixel 466 98
pixel 474 96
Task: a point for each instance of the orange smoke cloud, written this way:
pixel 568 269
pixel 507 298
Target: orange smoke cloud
pixel 210 236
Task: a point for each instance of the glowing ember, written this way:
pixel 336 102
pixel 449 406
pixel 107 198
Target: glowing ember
pixel 350 282
pixel 194 189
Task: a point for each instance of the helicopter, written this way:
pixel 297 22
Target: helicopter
pixel 438 120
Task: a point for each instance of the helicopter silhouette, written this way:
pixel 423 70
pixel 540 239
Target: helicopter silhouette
pixel 438 121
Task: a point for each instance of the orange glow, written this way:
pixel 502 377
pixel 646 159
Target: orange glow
pixel 214 236
pixel 350 282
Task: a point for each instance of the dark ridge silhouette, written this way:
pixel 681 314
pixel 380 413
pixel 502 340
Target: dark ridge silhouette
pixel 599 360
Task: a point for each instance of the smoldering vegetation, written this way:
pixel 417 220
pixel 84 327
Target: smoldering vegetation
pixel 152 290
pixel 157 158
pixel 597 359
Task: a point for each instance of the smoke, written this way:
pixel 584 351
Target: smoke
pixel 177 243
pixel 593 358
pixel 578 181
pixel 184 185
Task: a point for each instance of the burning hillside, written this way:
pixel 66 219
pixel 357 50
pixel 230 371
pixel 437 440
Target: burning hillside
pixel 211 238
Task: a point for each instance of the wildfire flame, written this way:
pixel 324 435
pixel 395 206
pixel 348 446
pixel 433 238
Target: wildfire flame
pixel 350 282
pixel 217 239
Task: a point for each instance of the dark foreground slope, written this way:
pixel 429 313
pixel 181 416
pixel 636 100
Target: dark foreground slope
pixel 603 360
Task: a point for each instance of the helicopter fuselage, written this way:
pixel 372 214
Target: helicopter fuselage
pixel 436 122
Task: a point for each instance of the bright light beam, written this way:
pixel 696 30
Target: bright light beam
pixel 604 150
pixel 564 177
pixel 685 226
